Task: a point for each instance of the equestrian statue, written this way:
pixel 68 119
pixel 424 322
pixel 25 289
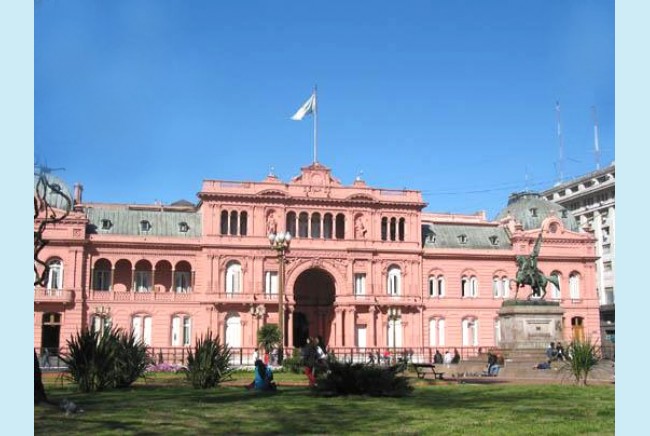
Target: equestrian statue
pixel 529 274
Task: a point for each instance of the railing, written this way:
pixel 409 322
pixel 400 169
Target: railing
pixel 43 295
pixel 139 296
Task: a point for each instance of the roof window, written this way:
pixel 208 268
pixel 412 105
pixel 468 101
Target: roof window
pixel 462 239
pixel 145 226
pixel 494 240
pixel 106 224
pixel 183 227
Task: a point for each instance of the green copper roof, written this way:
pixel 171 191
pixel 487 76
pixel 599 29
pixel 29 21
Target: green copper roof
pixel 465 236
pixel 126 221
pixel 530 209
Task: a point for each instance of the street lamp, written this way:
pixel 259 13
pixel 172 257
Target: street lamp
pixel 280 242
pixel 394 313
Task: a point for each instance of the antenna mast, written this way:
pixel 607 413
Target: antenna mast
pixel 596 146
pixel 560 163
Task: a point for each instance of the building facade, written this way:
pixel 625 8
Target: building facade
pixel 591 200
pixel 367 268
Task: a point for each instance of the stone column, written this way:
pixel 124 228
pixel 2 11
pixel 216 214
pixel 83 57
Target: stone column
pixel 338 327
pixel 350 330
pixel 372 342
pixel 290 326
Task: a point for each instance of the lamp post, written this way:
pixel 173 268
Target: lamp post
pixel 394 313
pixel 280 243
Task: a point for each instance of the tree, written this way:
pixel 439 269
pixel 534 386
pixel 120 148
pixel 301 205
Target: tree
pixel 268 336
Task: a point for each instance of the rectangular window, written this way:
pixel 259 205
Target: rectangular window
pixel 142 281
pixel 609 295
pixel 433 292
pixel 182 279
pixel 360 284
pixel 271 283
pixel 187 329
pixel 102 280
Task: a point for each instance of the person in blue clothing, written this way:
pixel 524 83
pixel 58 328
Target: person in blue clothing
pixel 263 380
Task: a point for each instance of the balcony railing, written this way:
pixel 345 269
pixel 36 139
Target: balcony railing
pixel 43 295
pixel 139 296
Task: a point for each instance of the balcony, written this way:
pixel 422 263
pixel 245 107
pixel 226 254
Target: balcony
pixel 62 296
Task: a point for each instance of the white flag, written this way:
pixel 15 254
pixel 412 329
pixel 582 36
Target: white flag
pixel 307 108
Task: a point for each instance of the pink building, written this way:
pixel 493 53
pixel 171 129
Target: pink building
pixel 366 268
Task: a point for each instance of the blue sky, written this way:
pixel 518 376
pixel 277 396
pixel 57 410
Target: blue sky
pixel 141 101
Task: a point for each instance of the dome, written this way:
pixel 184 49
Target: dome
pixel 530 209
pixel 53 199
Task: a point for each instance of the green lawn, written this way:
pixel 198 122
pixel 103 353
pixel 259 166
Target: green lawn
pixel 164 404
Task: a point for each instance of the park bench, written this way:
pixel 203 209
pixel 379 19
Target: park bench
pixel 422 369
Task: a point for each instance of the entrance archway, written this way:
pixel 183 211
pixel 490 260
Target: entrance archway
pixel 314 293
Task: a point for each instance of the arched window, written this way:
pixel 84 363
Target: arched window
pixel 393 228
pixel 436 286
pixel 224 222
pixel 141 326
pixel 327 226
pixel 555 290
pixel 506 287
pixel 574 286
pixel 243 223
pixel 142 279
pixel 401 228
pixel 234 219
pixel 55 274
pixel 441 332
pixel 473 287
pixel 182 282
pixel 233 278
pixel 181 330
pixel 315 225
pixel 101 323
pixel 291 223
pixel 102 275
pixel 340 226
pixel 384 228
pixel 394 280
pixel 303 224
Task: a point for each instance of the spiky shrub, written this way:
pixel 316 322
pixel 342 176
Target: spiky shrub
pixel 209 363
pixel 91 359
pixel 131 360
pixel 584 357
pixel 362 379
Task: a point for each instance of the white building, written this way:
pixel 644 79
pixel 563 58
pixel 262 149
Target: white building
pixel 591 200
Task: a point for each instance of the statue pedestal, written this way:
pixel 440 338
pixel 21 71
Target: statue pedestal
pixel 527 324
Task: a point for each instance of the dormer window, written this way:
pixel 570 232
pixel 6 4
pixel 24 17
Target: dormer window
pixel 494 240
pixel 145 226
pixel 533 211
pixel 462 239
pixel 106 224
pixel 183 227
pixel 565 214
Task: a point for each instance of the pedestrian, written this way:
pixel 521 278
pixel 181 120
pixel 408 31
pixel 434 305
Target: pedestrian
pixel 447 359
pixel 46 358
pixel 456 358
pixel 309 357
pixel 437 358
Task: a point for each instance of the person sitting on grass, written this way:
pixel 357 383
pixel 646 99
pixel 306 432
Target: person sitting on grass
pixel 263 378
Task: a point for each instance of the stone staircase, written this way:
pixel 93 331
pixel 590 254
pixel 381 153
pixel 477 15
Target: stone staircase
pixel 518 365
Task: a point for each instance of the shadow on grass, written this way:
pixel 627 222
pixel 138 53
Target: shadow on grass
pixel 150 409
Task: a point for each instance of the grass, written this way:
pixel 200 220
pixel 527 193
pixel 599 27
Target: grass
pixel 166 404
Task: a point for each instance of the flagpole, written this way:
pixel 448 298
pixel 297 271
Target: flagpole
pixel 315 124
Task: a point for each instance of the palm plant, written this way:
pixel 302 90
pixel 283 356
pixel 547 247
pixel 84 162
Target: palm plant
pixel 583 357
pixel 209 364
pixel 90 359
pixel 268 336
pixel 131 360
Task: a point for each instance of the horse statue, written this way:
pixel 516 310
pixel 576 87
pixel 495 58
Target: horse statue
pixel 529 274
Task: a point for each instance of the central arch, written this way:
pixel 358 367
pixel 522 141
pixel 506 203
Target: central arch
pixel 314 293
